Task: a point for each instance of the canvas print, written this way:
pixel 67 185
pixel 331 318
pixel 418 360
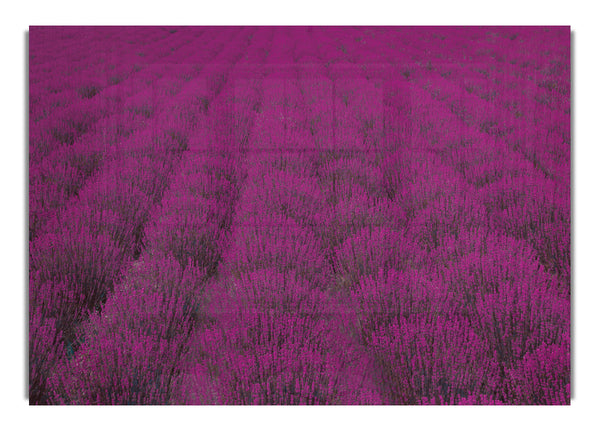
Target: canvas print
pixel 299 215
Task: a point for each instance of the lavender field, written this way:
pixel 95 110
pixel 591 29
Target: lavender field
pixel 299 215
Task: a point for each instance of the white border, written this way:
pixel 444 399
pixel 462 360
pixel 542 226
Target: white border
pixel 586 75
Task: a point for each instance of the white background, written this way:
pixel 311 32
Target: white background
pixel 580 15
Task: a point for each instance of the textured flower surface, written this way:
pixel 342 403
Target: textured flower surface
pixel 299 215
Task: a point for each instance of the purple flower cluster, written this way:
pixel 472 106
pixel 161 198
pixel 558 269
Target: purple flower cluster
pixel 299 215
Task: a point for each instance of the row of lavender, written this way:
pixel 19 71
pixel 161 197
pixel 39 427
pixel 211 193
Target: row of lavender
pixel 480 237
pixel 144 327
pixel 86 247
pixel 276 334
pixel 71 145
pixel 480 293
pixel 372 215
